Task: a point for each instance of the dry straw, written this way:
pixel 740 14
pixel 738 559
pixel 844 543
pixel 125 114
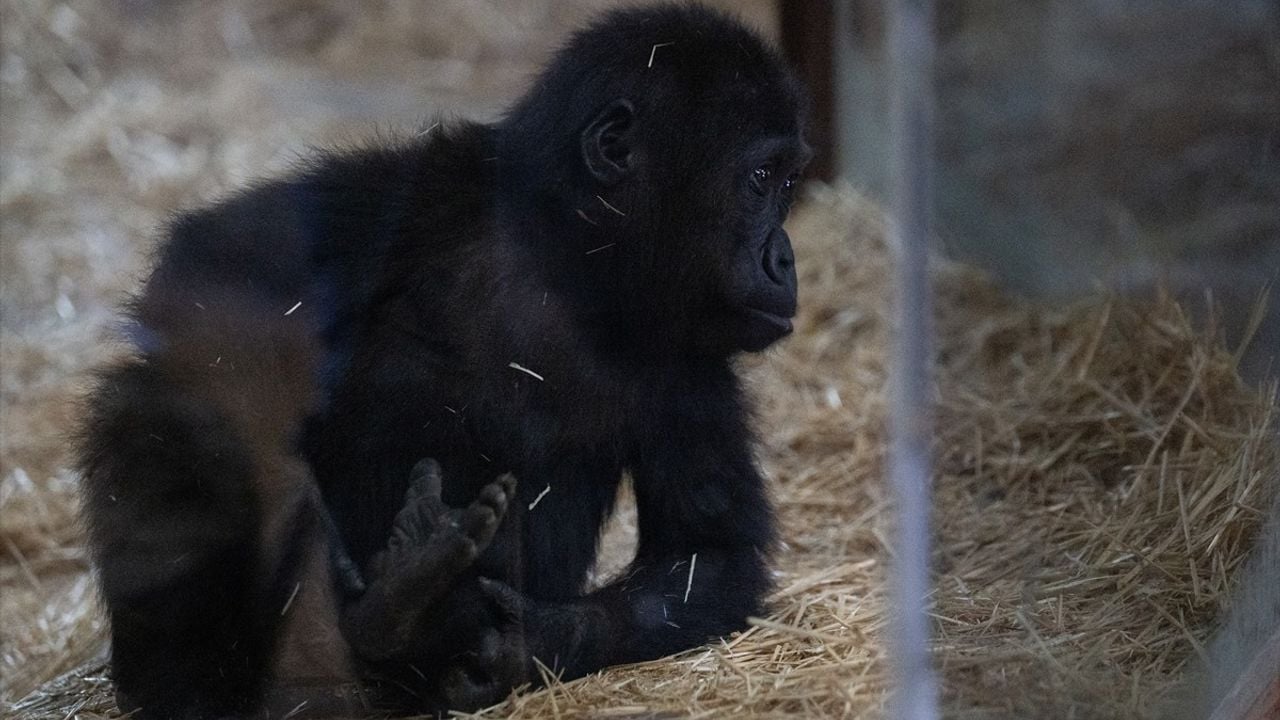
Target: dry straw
pixel 1101 471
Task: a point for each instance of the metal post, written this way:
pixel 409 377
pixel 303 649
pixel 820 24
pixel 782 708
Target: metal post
pixel 911 47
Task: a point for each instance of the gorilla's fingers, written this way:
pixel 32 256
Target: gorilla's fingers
pixel 423 511
pixel 508 484
pixel 425 483
pixel 505 599
pixel 480 520
pixel 498 494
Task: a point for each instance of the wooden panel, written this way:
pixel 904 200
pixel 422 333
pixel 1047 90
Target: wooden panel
pixel 807 30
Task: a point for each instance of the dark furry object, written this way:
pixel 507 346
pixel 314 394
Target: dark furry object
pixel 557 297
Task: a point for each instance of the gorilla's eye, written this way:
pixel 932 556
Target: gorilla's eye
pixel 791 181
pixel 760 177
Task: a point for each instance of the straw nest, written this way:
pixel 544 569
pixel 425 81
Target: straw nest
pixel 1101 471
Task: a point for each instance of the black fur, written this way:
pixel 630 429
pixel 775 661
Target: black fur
pixel 609 235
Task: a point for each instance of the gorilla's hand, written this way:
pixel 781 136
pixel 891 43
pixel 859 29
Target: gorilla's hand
pixel 430 545
pixel 500 660
pixel 530 639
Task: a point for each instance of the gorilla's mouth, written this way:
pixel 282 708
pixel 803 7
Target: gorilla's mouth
pixel 780 323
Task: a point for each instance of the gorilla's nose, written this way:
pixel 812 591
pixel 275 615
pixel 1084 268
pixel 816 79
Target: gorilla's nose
pixel 780 261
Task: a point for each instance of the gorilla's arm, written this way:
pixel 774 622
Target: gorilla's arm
pixel 705 527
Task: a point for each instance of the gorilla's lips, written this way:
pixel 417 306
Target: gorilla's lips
pixel 781 323
pixel 759 328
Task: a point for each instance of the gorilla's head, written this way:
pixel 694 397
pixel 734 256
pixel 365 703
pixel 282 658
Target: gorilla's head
pixel 665 147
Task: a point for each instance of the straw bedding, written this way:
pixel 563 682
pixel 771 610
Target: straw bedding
pixel 1101 469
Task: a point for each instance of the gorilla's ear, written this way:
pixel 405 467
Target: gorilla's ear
pixel 607 142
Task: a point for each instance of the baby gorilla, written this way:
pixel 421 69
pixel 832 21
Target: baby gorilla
pixel 558 297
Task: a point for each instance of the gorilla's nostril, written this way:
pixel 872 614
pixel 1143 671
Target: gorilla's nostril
pixel 777 262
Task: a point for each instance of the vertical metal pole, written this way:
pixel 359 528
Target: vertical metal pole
pixel 911 48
